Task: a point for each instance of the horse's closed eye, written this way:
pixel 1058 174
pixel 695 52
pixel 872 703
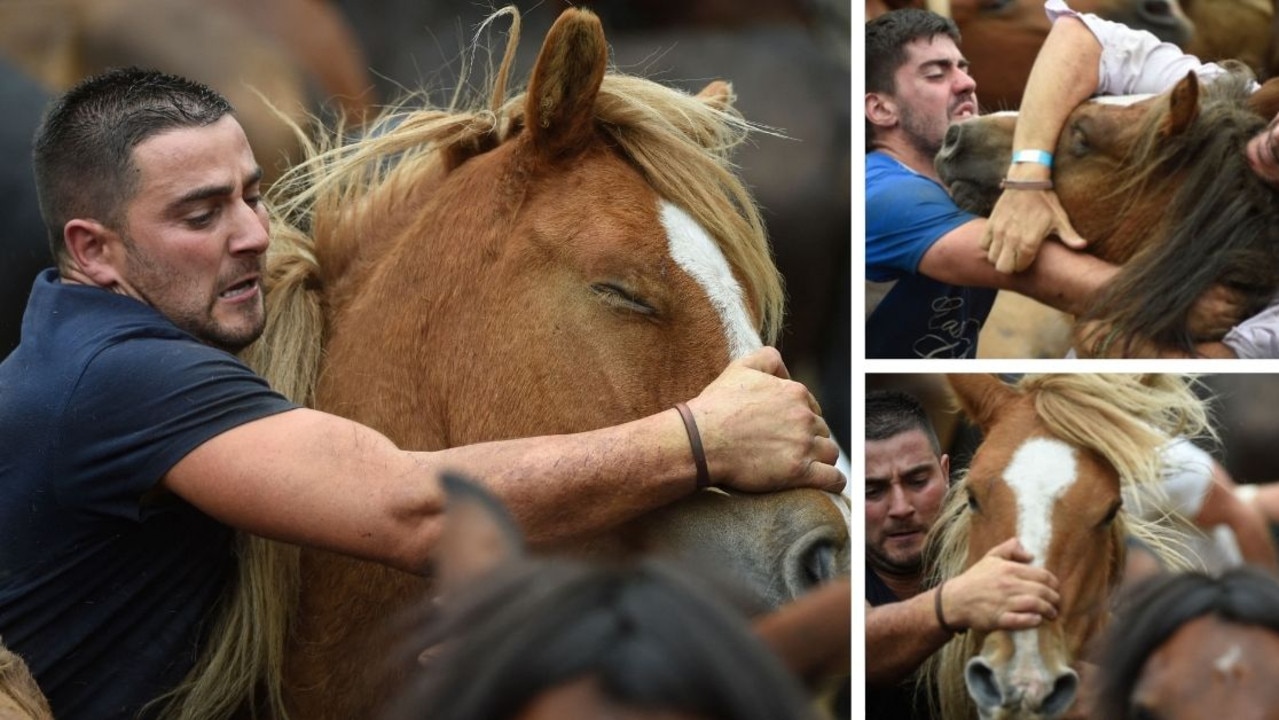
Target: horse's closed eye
pixel 622 299
pixel 972 502
pixel 1110 516
pixel 994 6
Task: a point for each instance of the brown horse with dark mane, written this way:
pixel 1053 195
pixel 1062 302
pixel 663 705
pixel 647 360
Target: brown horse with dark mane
pixel 1160 186
pixel 1194 646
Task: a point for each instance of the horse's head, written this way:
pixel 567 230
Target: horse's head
pixel 1054 456
pixel 1160 185
pixel 574 257
pixel 1194 646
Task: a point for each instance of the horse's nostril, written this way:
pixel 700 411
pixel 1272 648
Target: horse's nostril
pixel 1157 8
pixel 952 137
pixel 1062 696
pixel 814 559
pixel 982 687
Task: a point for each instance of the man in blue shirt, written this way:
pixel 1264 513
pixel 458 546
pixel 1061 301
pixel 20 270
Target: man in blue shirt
pixel 916 237
pixel 132 439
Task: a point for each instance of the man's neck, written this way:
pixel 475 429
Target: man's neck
pixel 901 150
pixel 903 586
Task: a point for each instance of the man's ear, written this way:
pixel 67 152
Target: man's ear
pixel 95 250
pixel 881 110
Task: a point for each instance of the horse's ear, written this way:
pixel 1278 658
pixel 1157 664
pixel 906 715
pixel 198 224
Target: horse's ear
pixel 718 94
pixel 560 109
pixel 980 396
pixel 1183 106
pixel 1265 102
pixel 479 535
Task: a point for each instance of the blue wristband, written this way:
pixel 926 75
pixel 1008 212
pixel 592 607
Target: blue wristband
pixel 1043 157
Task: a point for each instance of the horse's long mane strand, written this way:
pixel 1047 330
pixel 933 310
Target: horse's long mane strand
pixel 1125 419
pixel 1221 227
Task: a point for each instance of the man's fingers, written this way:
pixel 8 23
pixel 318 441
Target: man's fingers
pixel 825 449
pixel 825 476
pixel 1011 549
pixel 766 359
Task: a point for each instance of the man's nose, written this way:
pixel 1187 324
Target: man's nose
pixel 251 233
pixel 898 504
pixel 964 83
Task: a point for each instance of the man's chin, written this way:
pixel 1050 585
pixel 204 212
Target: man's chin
pixel 899 565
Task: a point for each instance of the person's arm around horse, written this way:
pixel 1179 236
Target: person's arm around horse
pixel 1064 75
pixel 999 592
pixel 316 479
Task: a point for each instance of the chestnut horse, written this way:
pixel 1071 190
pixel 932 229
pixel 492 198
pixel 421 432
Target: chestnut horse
pixel 1055 454
pixel 1160 186
pixel 1194 646
pixel 576 256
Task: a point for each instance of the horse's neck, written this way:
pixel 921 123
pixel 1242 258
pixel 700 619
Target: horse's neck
pixel 1135 232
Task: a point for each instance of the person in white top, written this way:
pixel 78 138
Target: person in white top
pixel 1108 58
pixel 1197 497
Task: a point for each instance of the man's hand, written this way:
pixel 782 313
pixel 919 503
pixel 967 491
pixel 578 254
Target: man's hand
pixel 1001 592
pixel 1018 224
pixel 764 432
pixel 1215 312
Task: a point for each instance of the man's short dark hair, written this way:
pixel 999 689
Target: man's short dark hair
pixel 891 412
pixel 887 37
pixel 83 150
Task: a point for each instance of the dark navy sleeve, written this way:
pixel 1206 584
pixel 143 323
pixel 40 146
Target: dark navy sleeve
pixel 140 407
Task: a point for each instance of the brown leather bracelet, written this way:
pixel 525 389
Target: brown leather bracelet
pixel 695 440
pixel 1010 184
pixel 941 619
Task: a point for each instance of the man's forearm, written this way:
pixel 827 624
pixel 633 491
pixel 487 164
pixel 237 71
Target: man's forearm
pixel 900 637
pixel 567 486
pixel 1062 278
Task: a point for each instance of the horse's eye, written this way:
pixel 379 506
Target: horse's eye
pixel 996 5
pixel 1078 141
pixel 972 502
pixel 622 298
pixel 1110 516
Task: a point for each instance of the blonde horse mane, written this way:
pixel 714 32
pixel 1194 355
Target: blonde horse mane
pixel 679 142
pixel 1125 419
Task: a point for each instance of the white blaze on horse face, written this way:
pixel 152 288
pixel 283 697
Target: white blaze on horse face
pixel 696 252
pixel 1041 471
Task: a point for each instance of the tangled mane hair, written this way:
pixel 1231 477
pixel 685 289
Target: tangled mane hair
pixel 1161 605
pixel 1123 418
pixel 18 689
pixel 349 188
pixel 1222 224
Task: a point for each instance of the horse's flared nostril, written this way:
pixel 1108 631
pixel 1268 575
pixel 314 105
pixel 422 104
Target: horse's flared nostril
pixel 982 686
pixel 814 559
pixel 1157 9
pixel 1062 696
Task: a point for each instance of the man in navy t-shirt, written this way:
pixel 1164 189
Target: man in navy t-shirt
pixel 132 439
pixel 916 237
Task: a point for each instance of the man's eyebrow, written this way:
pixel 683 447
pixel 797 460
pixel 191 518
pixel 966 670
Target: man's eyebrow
pixel 212 191
pixel 943 64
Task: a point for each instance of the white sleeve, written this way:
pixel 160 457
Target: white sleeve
pixel 1134 61
pixel 1258 336
pixel 1187 475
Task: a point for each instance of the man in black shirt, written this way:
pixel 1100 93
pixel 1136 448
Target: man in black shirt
pixel 907 476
